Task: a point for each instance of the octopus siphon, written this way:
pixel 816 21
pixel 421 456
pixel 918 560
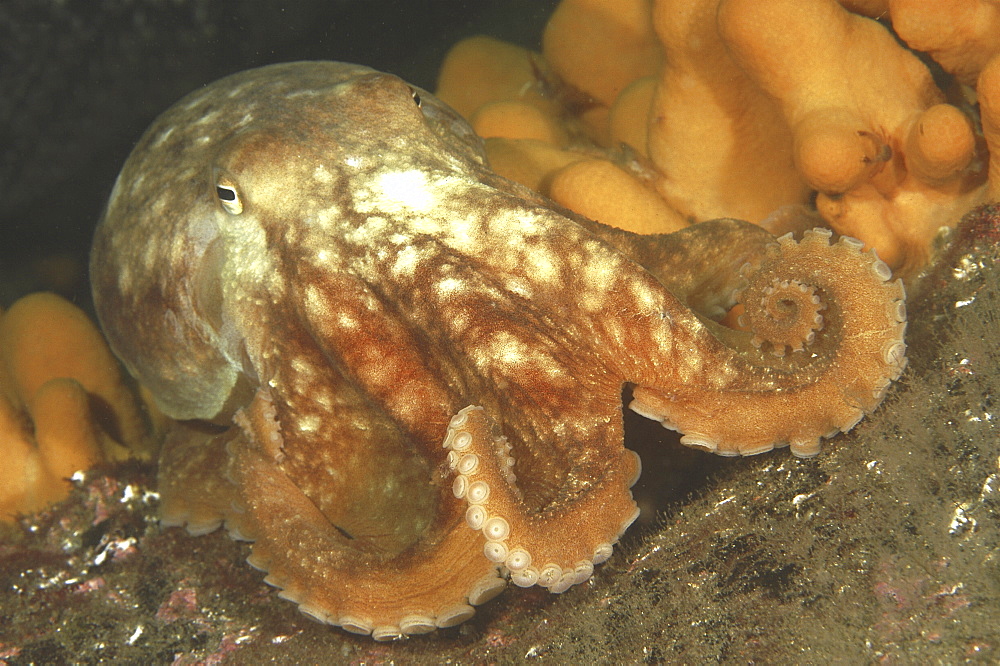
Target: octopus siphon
pixel 401 375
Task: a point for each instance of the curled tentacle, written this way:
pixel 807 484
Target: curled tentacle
pixel 363 590
pixel 836 309
pixel 555 547
pixel 788 314
pixel 370 585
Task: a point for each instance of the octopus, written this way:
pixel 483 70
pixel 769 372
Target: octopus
pixel 402 376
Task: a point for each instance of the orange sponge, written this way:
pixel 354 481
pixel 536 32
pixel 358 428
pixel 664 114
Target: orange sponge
pixel 988 89
pixel 480 69
pixel 601 46
pixel 605 192
pixel 960 35
pixel 64 405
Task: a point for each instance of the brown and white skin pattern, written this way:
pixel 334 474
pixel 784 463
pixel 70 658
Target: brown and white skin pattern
pixel 373 343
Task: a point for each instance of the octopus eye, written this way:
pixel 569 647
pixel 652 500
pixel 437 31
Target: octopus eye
pixel 416 97
pixel 229 197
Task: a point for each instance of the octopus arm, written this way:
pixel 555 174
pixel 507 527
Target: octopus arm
pixel 826 329
pixel 700 264
pixel 434 583
pixel 409 578
pixel 557 545
pixel 195 490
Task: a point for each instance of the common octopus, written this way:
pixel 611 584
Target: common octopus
pixel 402 375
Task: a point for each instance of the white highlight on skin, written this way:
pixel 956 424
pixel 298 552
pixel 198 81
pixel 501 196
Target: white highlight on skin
pixel 249 259
pixel 163 136
pixel 308 423
pixel 316 304
pixel 645 297
pixel 345 320
pixel 322 175
pixel 599 274
pixel 450 285
pixel 508 349
pixel 543 265
pixel 407 260
pixel 372 231
pixel 326 218
pixel 410 189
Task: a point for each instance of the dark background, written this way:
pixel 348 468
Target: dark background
pixel 81 79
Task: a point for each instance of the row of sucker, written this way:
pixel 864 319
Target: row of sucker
pixel 502 546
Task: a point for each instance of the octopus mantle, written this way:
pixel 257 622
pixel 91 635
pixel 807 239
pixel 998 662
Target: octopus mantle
pixel 400 375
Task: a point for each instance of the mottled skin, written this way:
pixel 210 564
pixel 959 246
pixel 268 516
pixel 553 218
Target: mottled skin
pixel 318 253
